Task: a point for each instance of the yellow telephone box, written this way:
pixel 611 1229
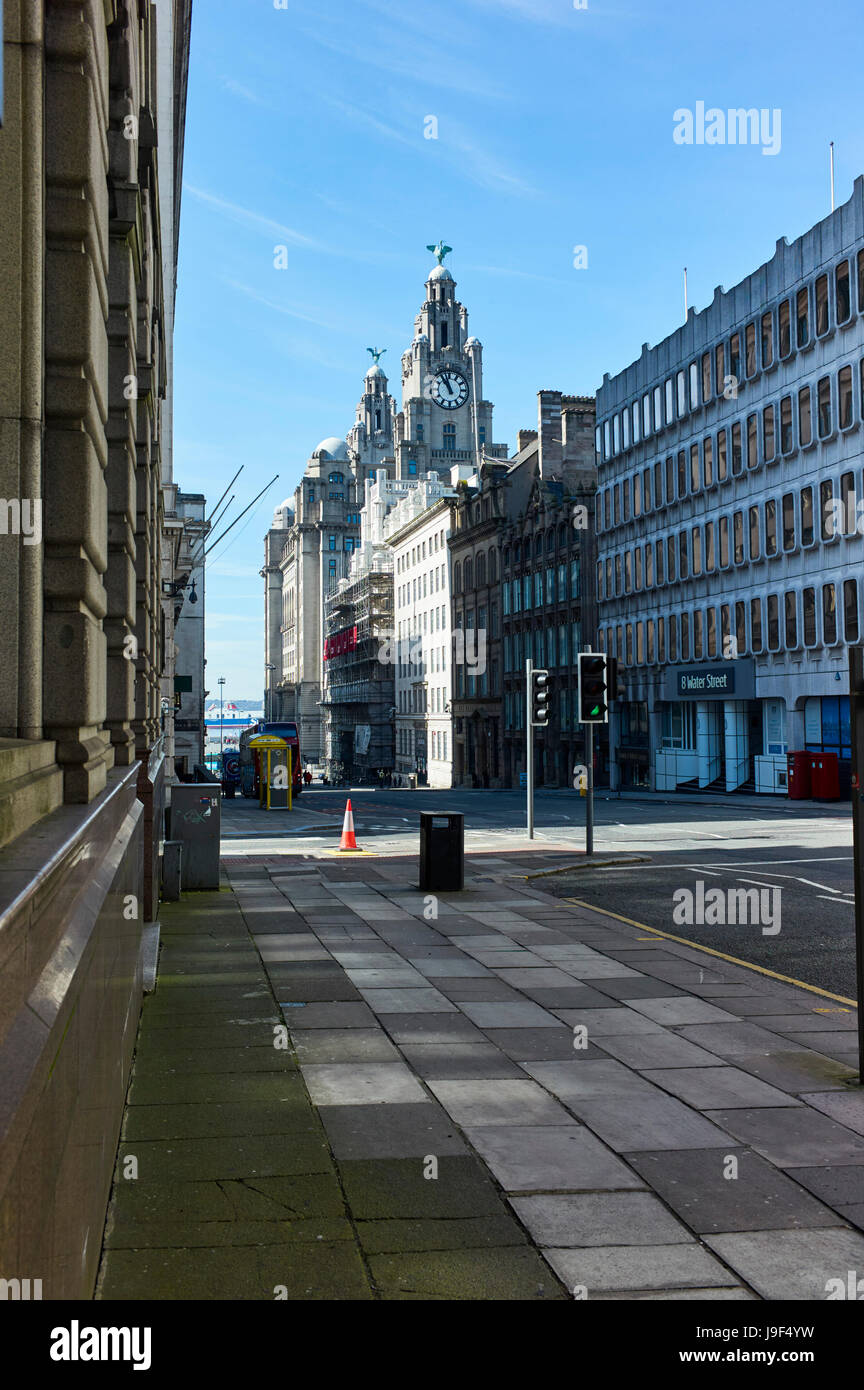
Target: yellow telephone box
pixel 276 777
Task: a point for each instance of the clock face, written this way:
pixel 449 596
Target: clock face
pixel 449 389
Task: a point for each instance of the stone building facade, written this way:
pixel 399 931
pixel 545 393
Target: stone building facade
pixel 83 375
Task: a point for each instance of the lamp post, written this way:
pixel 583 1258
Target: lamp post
pixel 221 698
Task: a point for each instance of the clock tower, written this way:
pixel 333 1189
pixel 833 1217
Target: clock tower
pixel 444 418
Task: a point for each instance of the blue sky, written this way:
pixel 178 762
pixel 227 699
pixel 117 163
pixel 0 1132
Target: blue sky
pixel 305 129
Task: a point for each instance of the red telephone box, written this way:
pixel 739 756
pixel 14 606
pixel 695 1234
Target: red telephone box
pixel 825 776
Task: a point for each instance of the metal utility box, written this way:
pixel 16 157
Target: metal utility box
pixel 799 776
pixel 825 776
pixel 442 851
pixel 196 817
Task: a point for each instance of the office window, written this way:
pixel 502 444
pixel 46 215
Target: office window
pixel 826 498
pixel 706 377
pixel 616 435
pixel 629 648
pixel 740 627
pixel 737 453
pixel 806 516
pixel 673 637
pixel 670 412
pixel 628 572
pixel 670 559
pixel 450 437
pixel 829 614
pixel 659 553
pixel 685 637
pixel 789 521
pixel 625 499
pixel 640 644
pixel 847 499
pixel 697 635
pixel 658 480
pixel 767 340
pixel 694 385
pixel 841 291
pixel 756 624
pixel 637 571
pixel 658 408
pixel 735 357
pixel 768 433
pixel 773 611
pixel 721 456
pixel 650 629
pixel 682 555
pixel 694 467
pixel 805 428
pixel 790 607
pixel 682 473
pixel 331 542
pixel 770 527
pixel 850 610
pixel 712 631
pixel 738 538
pixel 637 494
pixel 412 464
pixel 752 443
pixel 637 434
pixel 649 566
pixel 823 406
pixel 785 328
pixel 681 393
pixel 808 613
pixel 646 415
pixel 802 317
pixel 697 551
pixel 821 305
pixel 754 533
pixel 750 348
pixel 708 460
pixel 646 489
pixel 720 368
pixel 844 397
pixel 786 441
pixel 670 480
pixel 724 541
pixel 709 546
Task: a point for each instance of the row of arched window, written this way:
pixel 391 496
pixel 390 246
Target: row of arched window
pixel 475 572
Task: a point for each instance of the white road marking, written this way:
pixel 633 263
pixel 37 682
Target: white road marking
pixel 849 902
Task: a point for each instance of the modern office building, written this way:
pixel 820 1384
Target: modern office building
pixel 730 534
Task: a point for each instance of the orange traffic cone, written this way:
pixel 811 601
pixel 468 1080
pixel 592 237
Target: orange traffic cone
pixel 348 841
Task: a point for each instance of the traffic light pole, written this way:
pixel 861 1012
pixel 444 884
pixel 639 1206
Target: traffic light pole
pixel 529 746
pixel 589 788
pixel 856 702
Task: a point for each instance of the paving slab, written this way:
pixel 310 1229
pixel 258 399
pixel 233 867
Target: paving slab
pixel 457 1061
pixel 498 1102
pixel 653 1051
pixel 568 1158
pixel 509 1015
pixel 362 1083
pixel 497 1274
pixel 414 1001
pixel 391 1131
pixel 565 1220
pixel 791 1264
pixel 715 1088
pixel 793 1138
pixel 620 1267
pixel 675 1012
pixel 712 1193
pixel 606 1023
pixel 588 1078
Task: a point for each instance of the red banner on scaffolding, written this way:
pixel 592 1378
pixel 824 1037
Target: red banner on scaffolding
pixel 340 642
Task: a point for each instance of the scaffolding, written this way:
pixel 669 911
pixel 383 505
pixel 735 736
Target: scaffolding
pixel 358 697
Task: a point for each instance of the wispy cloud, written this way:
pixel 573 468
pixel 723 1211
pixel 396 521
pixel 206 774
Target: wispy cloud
pixel 511 274
pixel 424 67
pixel 247 218
pixel 237 89
pixel 285 309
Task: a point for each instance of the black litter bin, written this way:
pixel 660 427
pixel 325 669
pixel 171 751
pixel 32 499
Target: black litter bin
pixel 442 851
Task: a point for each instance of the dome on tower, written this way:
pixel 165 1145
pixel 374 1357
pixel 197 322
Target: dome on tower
pixel 376 370
pixel 472 342
pixel 333 447
pixel 440 272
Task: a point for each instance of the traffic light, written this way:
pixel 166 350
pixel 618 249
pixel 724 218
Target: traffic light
pixel 594 691
pixel 539 699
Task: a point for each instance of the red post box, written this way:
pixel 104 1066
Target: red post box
pixel 799 775
pixel 825 776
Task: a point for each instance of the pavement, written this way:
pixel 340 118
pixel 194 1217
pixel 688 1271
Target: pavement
pixel 345 1088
